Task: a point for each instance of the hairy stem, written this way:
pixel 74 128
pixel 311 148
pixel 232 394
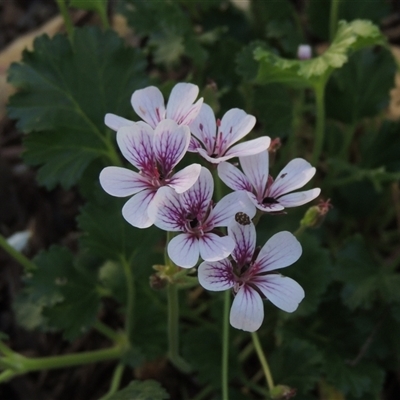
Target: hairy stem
pixel 130 300
pixel 333 18
pixel 320 125
pixel 69 26
pixel 225 346
pixel 28 265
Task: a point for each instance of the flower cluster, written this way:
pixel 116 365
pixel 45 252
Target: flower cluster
pixel 182 202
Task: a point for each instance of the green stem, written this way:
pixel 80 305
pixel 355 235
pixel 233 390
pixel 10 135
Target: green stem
pixel 263 360
pixel 225 346
pixel 348 138
pixel 115 381
pixel 130 285
pixel 4 349
pixel 104 17
pixel 333 18
pixel 22 365
pixel 173 330
pixel 69 26
pixel 108 332
pixel 320 125
pixel 299 231
pixel 28 265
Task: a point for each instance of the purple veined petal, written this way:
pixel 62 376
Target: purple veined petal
pixel 285 293
pixel 115 122
pixel 185 178
pixel 249 148
pixel 216 276
pixel 294 176
pixel 194 144
pixel 214 248
pixel 256 169
pixel 225 210
pixel 135 209
pixel 267 207
pixel 170 143
pixel 245 238
pixel 180 105
pixel 282 250
pixel 299 198
pixel 122 182
pixel 148 103
pixel 247 312
pixel 213 159
pixel 204 128
pixel 235 125
pixel 136 145
pixel 166 210
pixel 184 250
pixel 233 177
pixel 197 199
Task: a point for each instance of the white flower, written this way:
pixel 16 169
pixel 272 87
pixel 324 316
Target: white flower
pixel 270 195
pixel 194 216
pixel 251 278
pixel 214 140
pixel 154 154
pixel 148 103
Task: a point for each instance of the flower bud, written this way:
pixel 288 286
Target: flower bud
pixel 157 282
pixel 304 52
pixel 315 215
pixel 282 392
pixel 274 146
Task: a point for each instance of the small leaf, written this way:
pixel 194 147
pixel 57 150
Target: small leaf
pixel 358 381
pixel 64 93
pixel 349 38
pixel 361 87
pixel 69 298
pixel 141 390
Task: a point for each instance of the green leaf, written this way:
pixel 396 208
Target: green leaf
pixel 361 87
pixel 169 29
pixel 349 38
pixel 273 108
pixel 318 13
pixel 64 94
pixel 109 235
pixel 358 381
pixel 297 364
pixel 69 297
pixel 141 390
pixel 313 272
pixel 365 282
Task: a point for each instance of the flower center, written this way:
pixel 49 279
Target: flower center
pixel 269 200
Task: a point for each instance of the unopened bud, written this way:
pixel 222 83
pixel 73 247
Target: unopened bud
pixel 304 52
pixel 282 392
pixel 315 215
pixel 157 282
pixel 274 146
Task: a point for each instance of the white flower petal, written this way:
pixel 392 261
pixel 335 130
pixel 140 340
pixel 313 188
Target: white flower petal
pixel 282 250
pixel 267 207
pixel 180 105
pixel 235 125
pixel 148 103
pixel 193 145
pixel 295 175
pixel 121 182
pixel 185 178
pixel 299 198
pixel 166 210
pixel 170 143
pixel 256 169
pixel 135 209
pixel 225 210
pixel 115 122
pixel 233 177
pixel 216 276
pixel 247 312
pixel 285 293
pixel 204 128
pixel 136 145
pixel 214 248
pixel 249 147
pixel 184 250
pixel 245 242
pixel 196 200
